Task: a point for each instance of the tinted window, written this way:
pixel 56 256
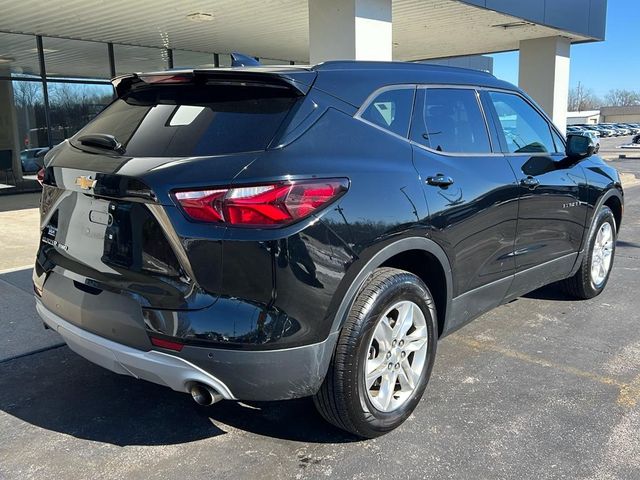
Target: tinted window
pixel 187 120
pixel 450 120
pixel 558 141
pixel 391 110
pixel 525 130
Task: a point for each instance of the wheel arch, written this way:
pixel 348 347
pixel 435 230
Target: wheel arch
pixel 422 257
pixel 614 202
pixel 612 198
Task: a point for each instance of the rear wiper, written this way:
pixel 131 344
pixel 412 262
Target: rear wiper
pixel 102 141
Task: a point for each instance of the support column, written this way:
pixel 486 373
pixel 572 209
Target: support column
pixel 544 74
pixel 350 30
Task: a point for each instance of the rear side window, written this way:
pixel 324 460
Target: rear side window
pixel 525 130
pixel 449 120
pixel 391 110
pixel 190 120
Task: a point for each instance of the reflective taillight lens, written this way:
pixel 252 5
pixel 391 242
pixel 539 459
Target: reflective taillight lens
pixel 269 205
pixel 40 175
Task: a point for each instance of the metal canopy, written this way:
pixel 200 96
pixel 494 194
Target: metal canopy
pixel 275 28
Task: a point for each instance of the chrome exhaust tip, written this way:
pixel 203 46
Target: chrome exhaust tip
pixel 204 395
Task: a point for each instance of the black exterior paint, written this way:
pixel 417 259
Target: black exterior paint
pixel 269 290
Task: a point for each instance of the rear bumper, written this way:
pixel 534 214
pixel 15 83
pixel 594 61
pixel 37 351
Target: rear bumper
pixel 235 374
pixel 157 367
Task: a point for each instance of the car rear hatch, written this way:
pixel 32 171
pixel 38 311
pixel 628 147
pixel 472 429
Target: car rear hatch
pixel 108 218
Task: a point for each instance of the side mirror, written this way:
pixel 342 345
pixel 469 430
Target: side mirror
pixel 580 146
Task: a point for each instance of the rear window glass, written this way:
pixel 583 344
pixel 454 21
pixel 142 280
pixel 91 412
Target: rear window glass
pixel 391 110
pixel 189 120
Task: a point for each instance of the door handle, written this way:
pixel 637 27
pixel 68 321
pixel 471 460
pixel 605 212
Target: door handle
pixel 439 180
pixel 530 182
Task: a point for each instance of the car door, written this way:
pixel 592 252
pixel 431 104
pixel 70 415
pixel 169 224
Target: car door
pixel 471 193
pixel 553 204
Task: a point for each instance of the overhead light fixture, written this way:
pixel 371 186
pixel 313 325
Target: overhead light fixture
pixel 4 59
pixel 200 17
pixel 519 24
pixel 44 50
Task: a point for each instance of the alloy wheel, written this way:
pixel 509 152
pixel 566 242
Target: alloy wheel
pixel 396 356
pixel 602 255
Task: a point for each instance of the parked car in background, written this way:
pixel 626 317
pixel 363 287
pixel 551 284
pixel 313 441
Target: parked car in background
pixel 32 159
pixel 280 232
pixel 634 129
pixel 620 130
pixel 604 132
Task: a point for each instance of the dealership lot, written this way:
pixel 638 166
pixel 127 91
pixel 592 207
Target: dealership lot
pixel 544 387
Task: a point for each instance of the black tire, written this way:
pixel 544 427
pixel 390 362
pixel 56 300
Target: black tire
pixel 581 285
pixel 342 399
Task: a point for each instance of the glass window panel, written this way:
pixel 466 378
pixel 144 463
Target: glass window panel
pixel 451 121
pixel 18 55
pixel 73 105
pixel 225 60
pixel 66 58
pixel 131 59
pixel 187 59
pixel 23 133
pixel 174 121
pixel 525 130
pixel 559 142
pixel 391 110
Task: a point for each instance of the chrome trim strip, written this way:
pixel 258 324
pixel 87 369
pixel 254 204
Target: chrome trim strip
pixel 386 88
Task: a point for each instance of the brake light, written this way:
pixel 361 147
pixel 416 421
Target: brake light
pixel 269 205
pixel 40 176
pixel 164 79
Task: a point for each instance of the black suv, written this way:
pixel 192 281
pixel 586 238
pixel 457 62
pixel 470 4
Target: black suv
pixel 272 233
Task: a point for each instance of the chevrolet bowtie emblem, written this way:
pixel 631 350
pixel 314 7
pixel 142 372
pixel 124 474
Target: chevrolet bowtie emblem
pixel 85 183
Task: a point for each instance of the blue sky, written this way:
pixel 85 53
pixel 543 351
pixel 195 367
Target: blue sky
pixel 601 66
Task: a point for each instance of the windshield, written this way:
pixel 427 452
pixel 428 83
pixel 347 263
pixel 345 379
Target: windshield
pixel 191 120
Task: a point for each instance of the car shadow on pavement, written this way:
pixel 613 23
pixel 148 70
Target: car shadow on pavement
pixel 622 243
pixel 59 391
pixel 550 292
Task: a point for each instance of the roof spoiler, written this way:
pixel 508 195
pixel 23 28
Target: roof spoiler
pixel 297 81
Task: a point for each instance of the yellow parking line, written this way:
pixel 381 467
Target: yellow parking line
pixel 629 393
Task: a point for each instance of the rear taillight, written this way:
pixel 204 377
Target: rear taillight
pixel 40 175
pixel 269 205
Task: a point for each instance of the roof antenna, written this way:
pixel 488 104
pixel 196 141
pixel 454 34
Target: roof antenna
pixel 240 60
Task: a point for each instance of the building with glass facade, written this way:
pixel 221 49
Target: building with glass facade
pixel 50 87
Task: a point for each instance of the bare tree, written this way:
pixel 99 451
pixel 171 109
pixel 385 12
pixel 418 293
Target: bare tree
pixel 27 94
pixel 582 99
pixel 622 98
